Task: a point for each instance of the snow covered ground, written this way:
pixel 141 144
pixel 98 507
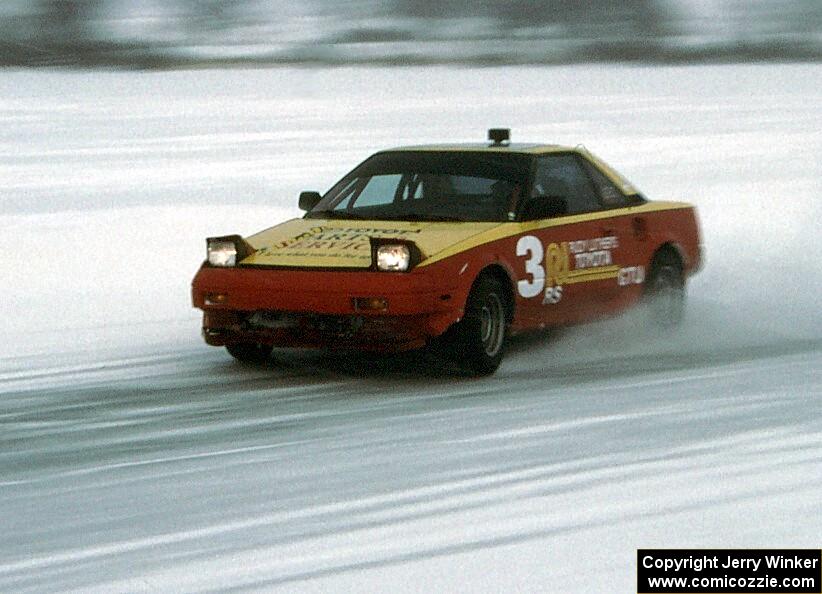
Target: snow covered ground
pixel 133 458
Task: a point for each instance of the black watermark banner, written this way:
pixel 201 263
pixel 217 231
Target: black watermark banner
pixel 731 571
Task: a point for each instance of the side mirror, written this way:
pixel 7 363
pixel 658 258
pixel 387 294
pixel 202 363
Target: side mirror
pixel 544 207
pixel 309 200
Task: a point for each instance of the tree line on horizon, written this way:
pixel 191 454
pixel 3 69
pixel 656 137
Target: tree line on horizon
pixel 153 34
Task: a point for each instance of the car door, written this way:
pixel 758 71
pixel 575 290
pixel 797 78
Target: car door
pixel 630 225
pixel 571 259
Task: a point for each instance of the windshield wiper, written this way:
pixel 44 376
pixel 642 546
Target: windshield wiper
pixel 434 218
pixel 337 214
pixel 421 217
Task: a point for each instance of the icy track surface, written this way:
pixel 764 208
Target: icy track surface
pixel 135 459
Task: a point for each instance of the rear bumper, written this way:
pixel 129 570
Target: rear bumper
pixel 300 308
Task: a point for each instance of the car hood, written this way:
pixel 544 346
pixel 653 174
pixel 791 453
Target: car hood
pixel 327 243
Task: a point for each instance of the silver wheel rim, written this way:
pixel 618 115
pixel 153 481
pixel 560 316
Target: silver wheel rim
pixel 492 324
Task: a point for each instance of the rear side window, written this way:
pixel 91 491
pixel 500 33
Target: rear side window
pixel 609 194
pixel 563 176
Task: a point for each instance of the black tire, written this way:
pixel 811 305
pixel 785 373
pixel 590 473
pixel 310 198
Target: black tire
pixel 250 352
pixel 665 290
pixel 477 342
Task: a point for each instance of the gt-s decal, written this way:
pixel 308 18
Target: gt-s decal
pixel 632 275
pixel 531 247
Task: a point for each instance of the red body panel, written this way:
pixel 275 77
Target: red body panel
pixel 606 260
pixel 418 307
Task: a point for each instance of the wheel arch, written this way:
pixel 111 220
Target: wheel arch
pixel 672 248
pixel 499 272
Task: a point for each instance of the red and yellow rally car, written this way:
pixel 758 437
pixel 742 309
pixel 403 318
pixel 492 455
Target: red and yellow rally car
pixel 455 245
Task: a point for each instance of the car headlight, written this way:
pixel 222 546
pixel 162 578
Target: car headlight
pixel 222 253
pixel 393 257
pixel 227 251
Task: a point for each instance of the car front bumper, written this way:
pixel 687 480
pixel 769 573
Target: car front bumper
pixel 322 308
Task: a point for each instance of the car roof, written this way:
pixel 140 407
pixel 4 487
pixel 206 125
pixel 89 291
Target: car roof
pixel 514 147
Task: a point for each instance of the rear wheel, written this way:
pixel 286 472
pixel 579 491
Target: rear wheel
pixel 250 352
pixel 477 343
pixel 665 290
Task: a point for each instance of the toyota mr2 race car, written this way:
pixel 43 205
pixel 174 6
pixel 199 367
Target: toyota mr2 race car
pixel 457 247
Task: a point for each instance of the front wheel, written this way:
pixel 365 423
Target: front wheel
pixel 250 352
pixel 478 341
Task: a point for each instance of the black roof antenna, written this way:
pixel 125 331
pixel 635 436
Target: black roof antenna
pixel 499 136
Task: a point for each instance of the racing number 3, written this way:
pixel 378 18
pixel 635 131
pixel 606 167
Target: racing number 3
pixel 531 247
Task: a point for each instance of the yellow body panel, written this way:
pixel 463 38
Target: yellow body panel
pixel 503 230
pixel 329 243
pixel 525 148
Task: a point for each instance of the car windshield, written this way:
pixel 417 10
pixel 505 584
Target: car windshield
pixel 429 186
